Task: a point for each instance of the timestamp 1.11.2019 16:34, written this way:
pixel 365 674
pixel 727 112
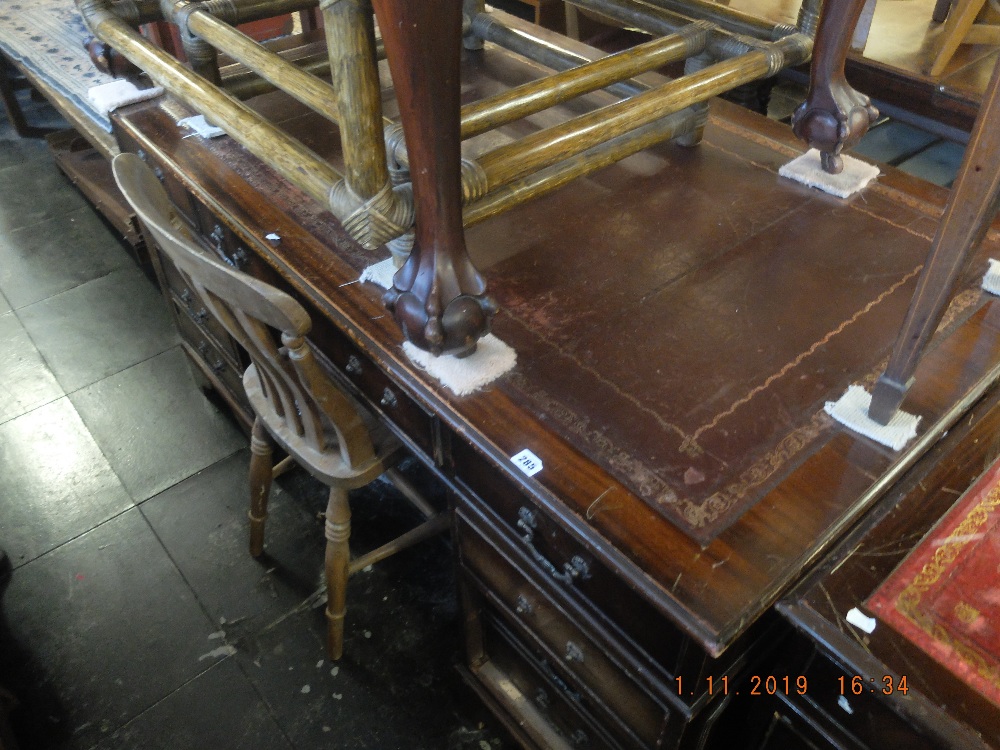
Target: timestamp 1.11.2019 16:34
pixel 760 685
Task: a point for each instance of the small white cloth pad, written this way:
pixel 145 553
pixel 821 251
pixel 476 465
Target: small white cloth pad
pixel 118 93
pixel 465 375
pixel 808 170
pixel 851 410
pixel 991 281
pixel 201 126
pixel 380 273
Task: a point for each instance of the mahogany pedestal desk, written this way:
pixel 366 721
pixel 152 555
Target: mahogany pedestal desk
pixel 679 320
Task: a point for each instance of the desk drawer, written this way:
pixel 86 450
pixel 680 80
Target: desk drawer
pixel 854 704
pixel 668 652
pixel 379 390
pixel 179 196
pixel 189 303
pixel 546 706
pixel 592 658
pixel 212 360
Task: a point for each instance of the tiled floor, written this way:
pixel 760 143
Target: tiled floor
pixel 135 617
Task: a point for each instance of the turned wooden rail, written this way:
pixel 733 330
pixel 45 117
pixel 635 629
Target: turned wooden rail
pixel 438 297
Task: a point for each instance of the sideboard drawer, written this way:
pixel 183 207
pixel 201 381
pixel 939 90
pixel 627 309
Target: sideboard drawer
pixel 593 659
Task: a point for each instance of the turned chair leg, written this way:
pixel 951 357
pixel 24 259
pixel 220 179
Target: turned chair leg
pixel 261 447
pixel 338 558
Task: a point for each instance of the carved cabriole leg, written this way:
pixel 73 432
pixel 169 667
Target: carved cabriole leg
pixel 972 205
pixel 438 296
pixel 834 116
pixel 261 448
pixel 338 558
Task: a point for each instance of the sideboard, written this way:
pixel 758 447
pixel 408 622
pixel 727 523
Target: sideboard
pixel 679 320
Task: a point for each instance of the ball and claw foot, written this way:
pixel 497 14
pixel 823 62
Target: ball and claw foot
pixel 831 119
pixel 465 319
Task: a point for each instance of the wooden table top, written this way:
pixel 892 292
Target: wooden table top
pixel 679 319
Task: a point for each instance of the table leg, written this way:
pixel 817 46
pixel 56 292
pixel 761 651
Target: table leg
pixel 834 116
pixel 438 296
pixel 10 102
pixel 972 205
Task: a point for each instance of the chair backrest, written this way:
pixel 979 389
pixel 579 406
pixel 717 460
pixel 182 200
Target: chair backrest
pixel 301 394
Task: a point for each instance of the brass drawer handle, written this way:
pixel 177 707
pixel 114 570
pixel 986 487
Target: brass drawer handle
pixel 238 259
pixel 186 298
pixel 576 568
pixel 389 399
pixel 200 317
pixel 558 681
pixel 579 738
pixel 523 606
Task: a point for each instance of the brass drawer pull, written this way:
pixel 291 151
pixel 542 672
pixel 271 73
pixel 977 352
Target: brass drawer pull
pixel 389 399
pixel 204 350
pixel 353 366
pixel 576 568
pixel 186 298
pixel 542 698
pixel 579 738
pixel 216 236
pixel 200 317
pixel 523 606
pixel 573 652
pixel 239 256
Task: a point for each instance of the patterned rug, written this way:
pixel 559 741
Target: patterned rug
pixel 46 37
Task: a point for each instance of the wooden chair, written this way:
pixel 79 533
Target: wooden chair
pixel 969 22
pixel 296 402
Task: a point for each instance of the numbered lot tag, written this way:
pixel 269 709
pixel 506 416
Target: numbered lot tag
pixel 527 462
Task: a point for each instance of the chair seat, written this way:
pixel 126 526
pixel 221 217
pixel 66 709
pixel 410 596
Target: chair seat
pixel 327 466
